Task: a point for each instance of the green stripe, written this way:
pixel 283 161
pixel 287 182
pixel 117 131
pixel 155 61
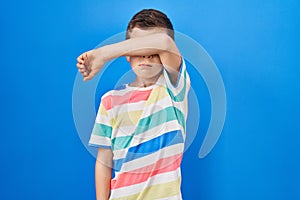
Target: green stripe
pixel 102 130
pixel 167 114
pixel 121 142
pixel 156 119
pixel 179 97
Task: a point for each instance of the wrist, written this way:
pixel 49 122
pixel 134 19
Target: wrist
pixel 101 53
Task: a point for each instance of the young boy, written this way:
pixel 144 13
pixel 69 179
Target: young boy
pixel 140 127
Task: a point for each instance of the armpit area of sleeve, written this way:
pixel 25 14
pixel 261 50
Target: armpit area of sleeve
pixel 99 142
pixel 179 91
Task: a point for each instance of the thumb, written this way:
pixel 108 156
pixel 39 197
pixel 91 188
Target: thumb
pixel 90 76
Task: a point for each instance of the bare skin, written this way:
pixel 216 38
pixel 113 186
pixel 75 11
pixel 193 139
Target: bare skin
pixel 148 42
pixel 103 170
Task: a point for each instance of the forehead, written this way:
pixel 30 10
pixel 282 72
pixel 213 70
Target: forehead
pixel 137 32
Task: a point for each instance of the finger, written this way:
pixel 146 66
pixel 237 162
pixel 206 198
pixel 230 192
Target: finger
pixel 80 66
pixel 80 61
pixel 85 73
pixel 80 58
pixel 90 76
pixel 86 78
pixel 86 58
pixel 81 70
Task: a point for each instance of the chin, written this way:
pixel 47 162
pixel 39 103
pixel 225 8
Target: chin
pixel 149 74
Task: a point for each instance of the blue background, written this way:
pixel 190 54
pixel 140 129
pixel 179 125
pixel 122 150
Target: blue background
pixel 255 45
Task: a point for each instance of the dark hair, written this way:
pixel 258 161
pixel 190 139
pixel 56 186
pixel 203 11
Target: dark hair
pixel 150 18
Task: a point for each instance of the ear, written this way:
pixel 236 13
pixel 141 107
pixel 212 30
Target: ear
pixel 128 58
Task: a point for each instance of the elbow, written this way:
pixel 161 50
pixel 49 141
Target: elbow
pixel 168 42
pixel 169 45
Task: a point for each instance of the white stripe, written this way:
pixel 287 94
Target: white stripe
pixel 128 107
pixel 182 106
pixel 117 92
pixel 120 92
pixel 155 132
pixel 180 84
pixel 126 89
pixel 136 188
pixel 149 133
pixel 157 106
pixel 153 158
pixel 102 119
pixel 99 140
pixel 163 104
pixel 118 154
pixel 105 94
pixel 123 131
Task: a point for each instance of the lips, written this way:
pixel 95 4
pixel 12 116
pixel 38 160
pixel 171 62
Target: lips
pixel 144 65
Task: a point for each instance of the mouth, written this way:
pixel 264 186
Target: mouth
pixel 144 65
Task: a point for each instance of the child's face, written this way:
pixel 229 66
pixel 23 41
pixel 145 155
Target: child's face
pixel 145 67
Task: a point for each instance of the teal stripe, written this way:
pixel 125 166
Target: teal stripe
pixel 121 142
pixel 160 117
pixel 181 95
pixel 156 119
pixel 102 130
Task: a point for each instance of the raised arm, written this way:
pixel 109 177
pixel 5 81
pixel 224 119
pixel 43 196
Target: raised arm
pixel 89 63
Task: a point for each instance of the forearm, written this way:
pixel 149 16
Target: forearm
pixel 91 62
pixel 140 46
pixel 102 180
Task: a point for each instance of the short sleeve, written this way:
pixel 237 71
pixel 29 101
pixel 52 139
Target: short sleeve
pixel 102 130
pixel 179 91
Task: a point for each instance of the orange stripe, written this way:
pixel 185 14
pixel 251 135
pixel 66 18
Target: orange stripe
pixel 142 174
pixel 130 97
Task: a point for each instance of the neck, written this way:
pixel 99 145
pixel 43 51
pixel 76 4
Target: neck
pixel 140 82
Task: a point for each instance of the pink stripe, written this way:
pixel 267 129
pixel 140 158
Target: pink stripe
pixel 130 97
pixel 140 175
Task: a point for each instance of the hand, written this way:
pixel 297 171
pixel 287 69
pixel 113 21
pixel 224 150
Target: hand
pixel 90 63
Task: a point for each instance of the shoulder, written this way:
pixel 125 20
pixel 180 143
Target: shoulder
pixel 116 91
pixel 113 95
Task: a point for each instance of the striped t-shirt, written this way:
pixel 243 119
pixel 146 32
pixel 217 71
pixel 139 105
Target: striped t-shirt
pixel 145 128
